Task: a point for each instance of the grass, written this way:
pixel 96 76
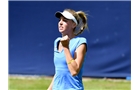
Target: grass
pixel 42 82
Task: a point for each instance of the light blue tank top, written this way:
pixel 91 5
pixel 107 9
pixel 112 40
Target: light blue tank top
pixel 63 80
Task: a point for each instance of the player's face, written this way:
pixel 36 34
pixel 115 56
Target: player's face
pixel 65 26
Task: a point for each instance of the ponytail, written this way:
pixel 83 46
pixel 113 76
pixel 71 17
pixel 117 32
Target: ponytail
pixel 82 23
pixel 81 18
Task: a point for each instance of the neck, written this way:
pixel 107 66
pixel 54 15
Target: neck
pixel 69 35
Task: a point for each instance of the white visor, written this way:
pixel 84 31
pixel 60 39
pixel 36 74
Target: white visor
pixel 67 15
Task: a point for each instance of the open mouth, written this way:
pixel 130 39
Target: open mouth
pixel 60 28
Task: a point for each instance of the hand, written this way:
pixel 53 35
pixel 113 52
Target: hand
pixel 65 41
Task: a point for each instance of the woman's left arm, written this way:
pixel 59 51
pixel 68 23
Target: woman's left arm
pixel 74 64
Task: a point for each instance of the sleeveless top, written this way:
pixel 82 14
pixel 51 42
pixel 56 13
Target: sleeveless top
pixel 63 80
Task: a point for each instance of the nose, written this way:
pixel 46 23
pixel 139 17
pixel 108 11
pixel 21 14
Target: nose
pixel 60 22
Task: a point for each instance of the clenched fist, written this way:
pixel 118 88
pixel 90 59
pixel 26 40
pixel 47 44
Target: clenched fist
pixel 65 41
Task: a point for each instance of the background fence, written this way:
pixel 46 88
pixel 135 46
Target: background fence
pixel 33 29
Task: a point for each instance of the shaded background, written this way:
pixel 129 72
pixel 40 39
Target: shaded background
pixel 33 29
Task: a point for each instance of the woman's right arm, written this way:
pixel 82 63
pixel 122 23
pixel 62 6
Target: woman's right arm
pixel 50 87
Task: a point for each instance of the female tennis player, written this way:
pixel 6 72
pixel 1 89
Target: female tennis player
pixel 69 51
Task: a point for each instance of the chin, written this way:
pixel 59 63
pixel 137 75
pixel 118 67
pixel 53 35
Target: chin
pixel 61 31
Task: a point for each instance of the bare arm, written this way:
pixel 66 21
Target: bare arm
pixel 50 87
pixel 76 62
